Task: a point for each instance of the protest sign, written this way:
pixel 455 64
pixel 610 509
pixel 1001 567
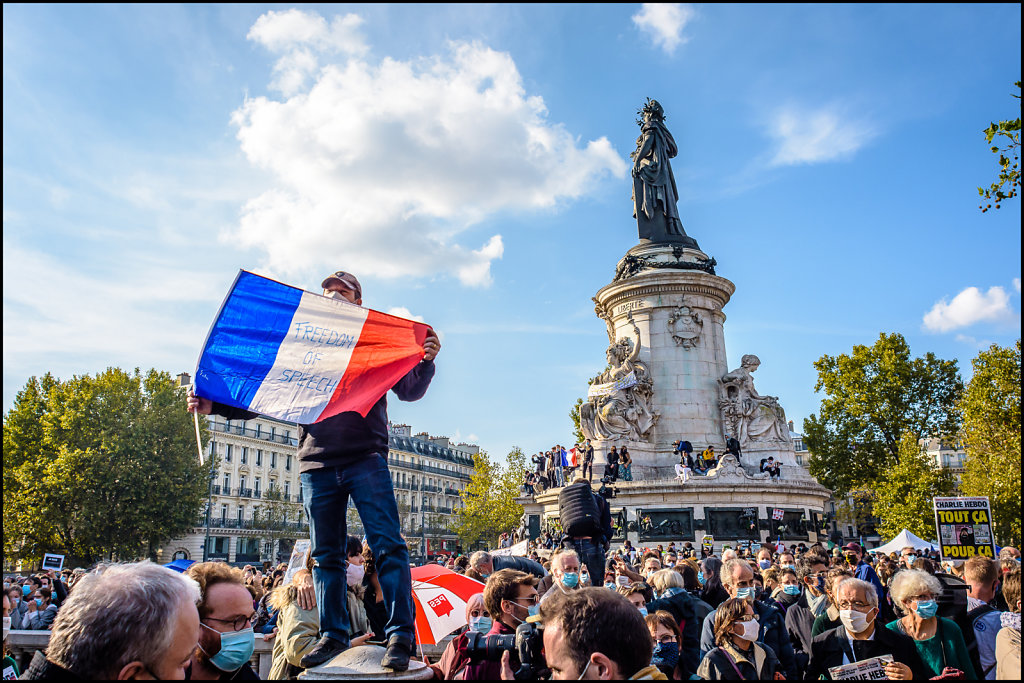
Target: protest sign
pixel 298 559
pixel 864 670
pixel 53 561
pixel 707 542
pixel 964 527
pixel 519 549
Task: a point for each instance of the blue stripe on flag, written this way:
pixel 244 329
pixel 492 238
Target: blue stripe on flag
pixel 244 340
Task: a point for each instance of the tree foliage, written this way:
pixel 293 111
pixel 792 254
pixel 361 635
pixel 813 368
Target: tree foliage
pixel 99 467
pixel 1009 160
pixel 991 437
pixel 902 495
pixel 873 397
pixel 489 500
pixel 574 415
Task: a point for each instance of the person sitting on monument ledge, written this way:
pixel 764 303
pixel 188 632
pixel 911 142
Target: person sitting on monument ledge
pixel 625 464
pixel 709 458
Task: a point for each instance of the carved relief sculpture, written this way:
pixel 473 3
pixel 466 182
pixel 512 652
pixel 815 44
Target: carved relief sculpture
pixel 747 415
pixel 618 404
pixel 685 326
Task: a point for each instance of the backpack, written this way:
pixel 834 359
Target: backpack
pixel 971 636
pixel 578 511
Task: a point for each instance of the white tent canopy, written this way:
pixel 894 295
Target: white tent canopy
pixel 902 540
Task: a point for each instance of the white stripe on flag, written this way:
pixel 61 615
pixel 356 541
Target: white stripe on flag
pixel 312 358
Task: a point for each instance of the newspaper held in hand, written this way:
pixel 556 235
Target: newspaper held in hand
pixel 865 670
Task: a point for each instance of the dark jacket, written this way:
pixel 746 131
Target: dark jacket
pixel 344 438
pixel 42 669
pixel 828 648
pixel 772 632
pixel 799 620
pixel 717 667
pixel 683 608
pixel 522 564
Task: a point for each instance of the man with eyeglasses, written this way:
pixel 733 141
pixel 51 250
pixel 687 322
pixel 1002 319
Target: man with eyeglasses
pixel 226 637
pixel 811 569
pixel 510 597
pixel 343 457
pixel 738 579
pixel 858 637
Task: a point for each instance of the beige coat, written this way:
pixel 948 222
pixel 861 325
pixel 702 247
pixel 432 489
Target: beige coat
pixel 298 631
pixel 1008 654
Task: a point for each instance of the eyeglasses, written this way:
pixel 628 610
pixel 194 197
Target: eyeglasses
pixel 856 604
pixel 237 624
pixel 532 600
pixel 667 638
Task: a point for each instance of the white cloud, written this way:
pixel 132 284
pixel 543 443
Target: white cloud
pixel 665 23
pixel 968 307
pixel 1016 284
pixel 807 136
pixel 380 166
pixel 403 312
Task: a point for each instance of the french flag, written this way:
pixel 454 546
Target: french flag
pixel 297 356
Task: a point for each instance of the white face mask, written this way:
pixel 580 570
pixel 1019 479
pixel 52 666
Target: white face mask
pixel 854 621
pixel 750 629
pixel 354 574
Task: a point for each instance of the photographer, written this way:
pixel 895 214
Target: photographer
pixel 510 597
pixel 587 520
pixel 594 633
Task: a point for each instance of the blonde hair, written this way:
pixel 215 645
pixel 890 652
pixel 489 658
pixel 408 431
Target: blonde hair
pixel 663 579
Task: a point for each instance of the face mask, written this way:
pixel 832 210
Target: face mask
pixel 610 585
pixel 790 589
pixel 700 578
pixel 911 559
pixel 235 649
pixel 744 593
pixel 622 580
pixel 354 574
pixel 666 653
pixel 7 626
pixel 480 624
pixel 483 577
pixel 585 669
pixel 926 609
pixel 764 564
pixel 25 590
pixel 570 579
pixel 750 629
pixel 643 611
pixel 39 602
pixel 854 621
pixel 584 578
pixel 789 566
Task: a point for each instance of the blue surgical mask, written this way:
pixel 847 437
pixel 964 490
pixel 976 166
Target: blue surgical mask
pixel 236 649
pixel 610 585
pixel 790 589
pixel 643 611
pixel 483 577
pixel 926 609
pixel 25 590
pixel 666 654
pixel 533 610
pixel 39 602
pixel 911 559
pixel 570 579
pixel 700 578
pixel 789 566
pixel 744 593
pixel 480 624
pixel 764 564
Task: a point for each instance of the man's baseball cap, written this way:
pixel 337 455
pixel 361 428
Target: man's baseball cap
pixel 852 546
pixel 345 279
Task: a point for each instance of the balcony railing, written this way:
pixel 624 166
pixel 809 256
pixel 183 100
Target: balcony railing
pixel 263 436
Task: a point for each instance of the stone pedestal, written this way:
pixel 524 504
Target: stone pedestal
pixel 363 663
pixel 677 311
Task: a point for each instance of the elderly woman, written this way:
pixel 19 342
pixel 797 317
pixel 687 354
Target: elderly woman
pixel 672 597
pixel 738 656
pixel 453 660
pixel 939 641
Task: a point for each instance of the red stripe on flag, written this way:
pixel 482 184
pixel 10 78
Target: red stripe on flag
pixel 388 348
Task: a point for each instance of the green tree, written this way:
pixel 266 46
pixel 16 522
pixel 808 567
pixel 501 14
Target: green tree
pixel 873 397
pixel 902 496
pixel 1009 160
pixel 489 506
pixel 574 415
pixel 991 437
pixel 275 514
pixel 99 467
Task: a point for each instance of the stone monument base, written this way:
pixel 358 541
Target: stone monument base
pixel 363 663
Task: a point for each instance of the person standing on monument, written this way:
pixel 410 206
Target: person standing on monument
pixel 588 461
pixel 342 457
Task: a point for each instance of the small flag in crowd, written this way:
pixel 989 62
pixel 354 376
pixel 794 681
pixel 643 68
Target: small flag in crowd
pixel 777 514
pixel 293 355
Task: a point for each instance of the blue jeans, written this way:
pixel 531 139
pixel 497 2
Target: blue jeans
pixel 325 493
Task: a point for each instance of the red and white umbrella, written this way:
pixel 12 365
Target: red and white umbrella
pixel 440 596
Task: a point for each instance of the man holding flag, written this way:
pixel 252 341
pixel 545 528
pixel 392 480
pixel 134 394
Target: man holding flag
pixel 342 456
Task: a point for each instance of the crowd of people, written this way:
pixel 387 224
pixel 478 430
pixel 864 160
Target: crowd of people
pixel 656 613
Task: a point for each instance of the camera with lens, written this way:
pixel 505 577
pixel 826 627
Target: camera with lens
pixel 607 491
pixel 526 644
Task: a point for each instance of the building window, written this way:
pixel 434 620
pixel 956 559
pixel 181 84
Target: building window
pixel 227 453
pixel 245 454
pixel 241 484
pixel 224 511
pixel 259 457
pixel 273 459
pixel 241 512
pixel 227 484
pixel 287 488
pixel 257 485
pixel 288 463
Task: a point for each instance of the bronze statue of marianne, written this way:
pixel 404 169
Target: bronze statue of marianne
pixel 654 186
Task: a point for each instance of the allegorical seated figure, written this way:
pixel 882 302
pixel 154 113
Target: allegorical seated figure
pixel 618 402
pixel 747 414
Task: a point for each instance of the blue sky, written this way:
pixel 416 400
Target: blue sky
pixel 469 163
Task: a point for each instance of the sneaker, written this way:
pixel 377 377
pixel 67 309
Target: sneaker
pixel 324 651
pixel 396 657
